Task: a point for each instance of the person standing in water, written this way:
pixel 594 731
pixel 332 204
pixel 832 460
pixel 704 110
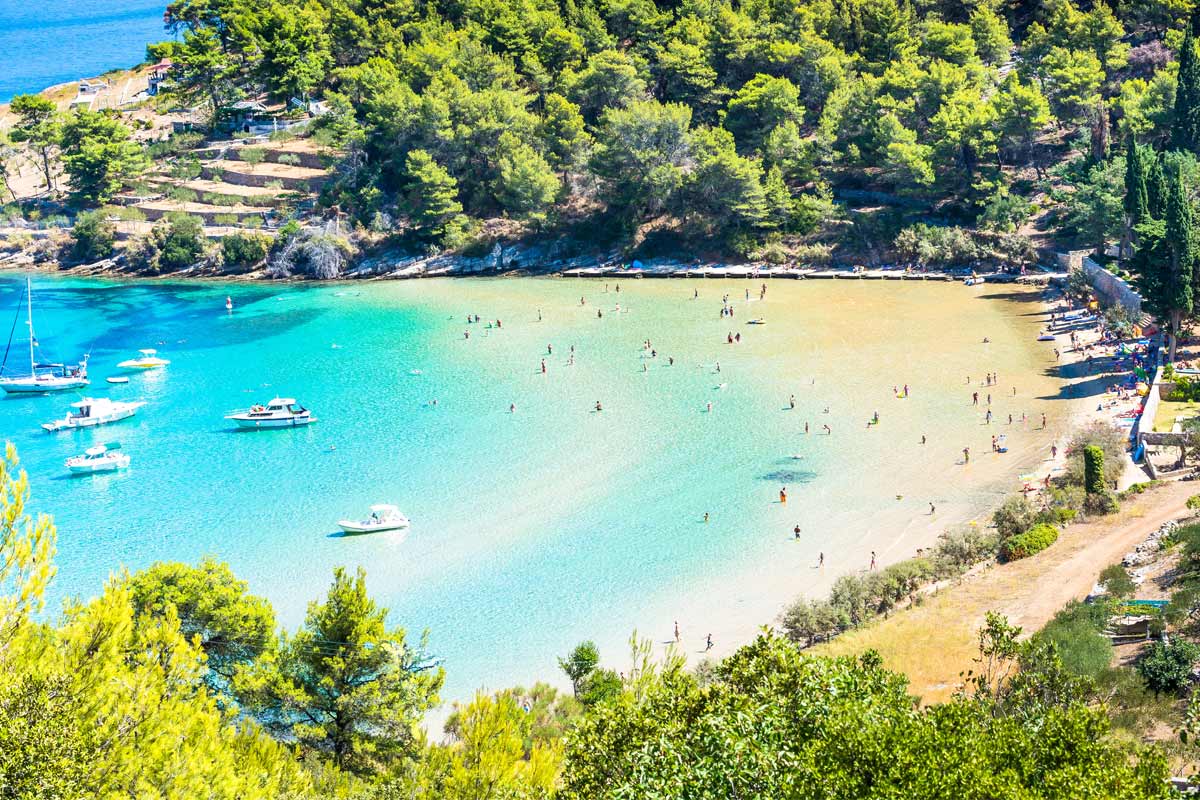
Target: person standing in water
pixel 792 402
pixel 543 366
pixel 512 408
pixel 706 516
pixel 598 406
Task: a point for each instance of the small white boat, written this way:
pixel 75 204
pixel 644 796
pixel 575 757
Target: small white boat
pixel 146 359
pixel 117 379
pixel 91 411
pixel 100 458
pixel 282 412
pixel 383 518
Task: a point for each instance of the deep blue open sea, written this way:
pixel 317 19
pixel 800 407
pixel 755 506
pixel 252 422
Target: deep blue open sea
pixel 46 42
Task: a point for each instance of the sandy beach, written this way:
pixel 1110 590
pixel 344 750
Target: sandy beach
pixel 762 594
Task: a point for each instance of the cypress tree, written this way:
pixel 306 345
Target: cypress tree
pixel 1156 188
pixel 1137 203
pixel 1137 200
pixel 1185 131
pixel 1180 240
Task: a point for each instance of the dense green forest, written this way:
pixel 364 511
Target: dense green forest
pixel 735 124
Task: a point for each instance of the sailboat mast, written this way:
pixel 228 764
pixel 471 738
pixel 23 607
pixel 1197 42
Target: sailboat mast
pixel 29 308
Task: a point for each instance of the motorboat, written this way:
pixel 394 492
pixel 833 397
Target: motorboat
pixel 145 359
pixel 282 412
pixel 756 321
pixel 42 376
pixel 101 458
pixel 92 411
pixel 117 379
pixel 383 518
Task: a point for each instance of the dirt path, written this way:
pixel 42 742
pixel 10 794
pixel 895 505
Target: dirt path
pixel 934 642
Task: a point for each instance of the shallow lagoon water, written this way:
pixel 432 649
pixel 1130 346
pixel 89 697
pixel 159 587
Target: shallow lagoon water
pixel 535 529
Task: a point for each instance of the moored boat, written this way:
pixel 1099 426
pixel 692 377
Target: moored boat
pixel 92 411
pixel 100 458
pixel 383 518
pixel 145 359
pixel 42 377
pixel 282 412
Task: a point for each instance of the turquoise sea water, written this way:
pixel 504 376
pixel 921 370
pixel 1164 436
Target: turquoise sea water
pixel 48 42
pixel 535 529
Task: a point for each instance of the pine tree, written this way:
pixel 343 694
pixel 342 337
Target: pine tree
pixel 1185 131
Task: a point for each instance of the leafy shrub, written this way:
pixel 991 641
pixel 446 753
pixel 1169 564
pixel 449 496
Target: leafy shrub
pixel 180 240
pixel 1014 516
pixel 244 249
pixel 1034 540
pixel 1116 581
pixel 93 237
pixel 1167 667
pixel 1193 502
pixel 182 194
pixel 807 622
pixel 1076 633
pixel 961 548
pixel 291 159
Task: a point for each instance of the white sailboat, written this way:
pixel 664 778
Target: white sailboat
pixel 42 377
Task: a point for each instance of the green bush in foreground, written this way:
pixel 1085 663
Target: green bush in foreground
pixel 774 723
pixel 1193 502
pixel 1034 540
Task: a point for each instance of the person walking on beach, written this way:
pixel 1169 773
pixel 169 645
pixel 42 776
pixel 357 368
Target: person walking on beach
pixel 988 419
pixel 932 509
pixel 974 398
pixel 922 438
pixel 676 631
pixel 1043 422
pixel 1054 451
pixel 796 532
pixel 966 455
pixel 806 427
pixel 820 560
pixel 792 402
pixel 872 559
pixel 783 495
pixel 708 643
pixel 828 432
pixel 598 407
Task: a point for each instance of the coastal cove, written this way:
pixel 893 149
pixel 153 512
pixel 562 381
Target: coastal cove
pixel 535 528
